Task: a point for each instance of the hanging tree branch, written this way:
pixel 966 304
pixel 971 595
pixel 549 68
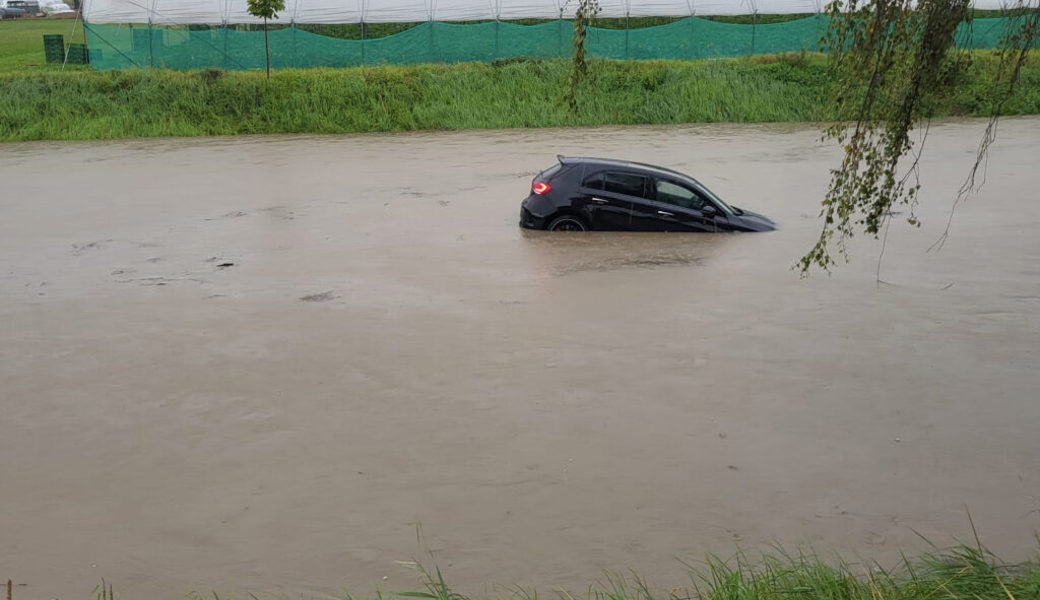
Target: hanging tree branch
pixel 891 60
pixel 1021 36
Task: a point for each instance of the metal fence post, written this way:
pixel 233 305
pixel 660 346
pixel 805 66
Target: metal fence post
pixel 559 35
pixel 626 33
pixel 754 27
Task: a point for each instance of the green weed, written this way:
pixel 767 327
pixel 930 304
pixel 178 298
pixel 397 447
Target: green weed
pixel 85 104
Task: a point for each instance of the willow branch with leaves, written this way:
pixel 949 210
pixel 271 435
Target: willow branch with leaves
pixel 891 59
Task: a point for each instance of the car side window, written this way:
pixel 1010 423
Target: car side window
pixel 594 181
pixel 673 193
pixel 625 183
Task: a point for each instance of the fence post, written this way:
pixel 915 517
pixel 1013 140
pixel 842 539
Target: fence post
pixel 433 40
pixel 754 27
pixel 626 33
pixel 559 35
pixel 693 36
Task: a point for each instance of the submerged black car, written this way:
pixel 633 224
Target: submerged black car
pixel 581 194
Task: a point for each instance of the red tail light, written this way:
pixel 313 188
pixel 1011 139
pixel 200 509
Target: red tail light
pixel 540 187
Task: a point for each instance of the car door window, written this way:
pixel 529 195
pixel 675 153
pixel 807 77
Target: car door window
pixel 679 195
pixel 625 183
pixel 594 181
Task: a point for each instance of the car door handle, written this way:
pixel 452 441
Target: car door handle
pixel 599 200
pixel 665 213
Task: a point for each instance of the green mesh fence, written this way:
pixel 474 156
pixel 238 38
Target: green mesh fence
pixel 123 46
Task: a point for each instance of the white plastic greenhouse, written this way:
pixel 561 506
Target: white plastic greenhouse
pixel 179 12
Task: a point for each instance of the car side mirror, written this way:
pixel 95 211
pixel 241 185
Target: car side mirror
pixel 710 211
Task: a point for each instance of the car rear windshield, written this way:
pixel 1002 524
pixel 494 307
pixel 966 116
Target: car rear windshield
pixel 547 174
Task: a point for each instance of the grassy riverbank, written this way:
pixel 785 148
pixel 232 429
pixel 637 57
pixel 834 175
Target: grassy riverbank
pixel 961 573
pixel 522 93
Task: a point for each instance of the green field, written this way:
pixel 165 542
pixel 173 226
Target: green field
pixel 21 42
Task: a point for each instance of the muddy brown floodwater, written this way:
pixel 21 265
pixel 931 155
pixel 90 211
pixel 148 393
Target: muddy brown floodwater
pixel 255 364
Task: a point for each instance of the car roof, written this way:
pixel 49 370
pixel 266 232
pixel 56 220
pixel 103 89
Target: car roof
pixel 612 162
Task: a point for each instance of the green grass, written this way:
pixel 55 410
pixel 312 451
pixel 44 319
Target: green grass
pixel 958 573
pixel 961 573
pixel 86 104
pixel 21 42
